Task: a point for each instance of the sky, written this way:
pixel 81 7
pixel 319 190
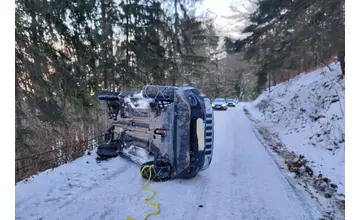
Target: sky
pixel 226 26
pixel 217 6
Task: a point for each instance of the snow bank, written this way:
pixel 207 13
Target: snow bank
pixel 307 114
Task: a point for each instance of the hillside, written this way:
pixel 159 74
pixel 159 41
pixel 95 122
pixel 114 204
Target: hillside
pixel 306 117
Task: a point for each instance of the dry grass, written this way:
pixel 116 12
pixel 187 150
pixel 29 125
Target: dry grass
pixel 48 147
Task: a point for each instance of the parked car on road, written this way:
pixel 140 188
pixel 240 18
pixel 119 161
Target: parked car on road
pixel 230 102
pixel 219 104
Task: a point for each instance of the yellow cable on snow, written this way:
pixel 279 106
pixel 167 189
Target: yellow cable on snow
pixel 147 200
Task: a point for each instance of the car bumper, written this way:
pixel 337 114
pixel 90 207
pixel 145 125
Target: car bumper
pixel 219 107
pixel 231 104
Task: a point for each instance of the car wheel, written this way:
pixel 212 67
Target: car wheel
pixel 192 172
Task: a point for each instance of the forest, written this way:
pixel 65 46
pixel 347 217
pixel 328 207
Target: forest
pixel 66 51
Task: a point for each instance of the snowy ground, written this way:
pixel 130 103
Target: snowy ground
pixel 307 115
pixel 243 182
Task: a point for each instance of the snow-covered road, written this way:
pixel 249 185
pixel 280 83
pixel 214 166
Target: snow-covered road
pixel 243 182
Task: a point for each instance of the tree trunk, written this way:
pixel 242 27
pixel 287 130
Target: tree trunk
pixel 174 42
pixel 341 54
pixel 127 37
pixel 269 81
pixel 274 78
pixel 111 54
pixel 104 42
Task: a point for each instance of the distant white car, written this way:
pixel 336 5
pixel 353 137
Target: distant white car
pixel 231 102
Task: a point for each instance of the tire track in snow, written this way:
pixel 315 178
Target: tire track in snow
pixel 83 195
pixel 311 207
pixel 219 188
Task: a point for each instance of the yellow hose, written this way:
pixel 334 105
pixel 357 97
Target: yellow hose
pixel 147 200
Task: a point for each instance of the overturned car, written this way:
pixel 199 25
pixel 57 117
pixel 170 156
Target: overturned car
pixel 169 128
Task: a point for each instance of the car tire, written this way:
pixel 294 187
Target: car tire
pixel 191 174
pixel 107 150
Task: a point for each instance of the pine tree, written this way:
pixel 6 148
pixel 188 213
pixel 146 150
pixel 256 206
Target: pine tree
pixel 67 51
pixel 292 35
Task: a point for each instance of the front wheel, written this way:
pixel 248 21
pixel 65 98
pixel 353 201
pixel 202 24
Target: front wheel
pixel 191 173
pixel 158 171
